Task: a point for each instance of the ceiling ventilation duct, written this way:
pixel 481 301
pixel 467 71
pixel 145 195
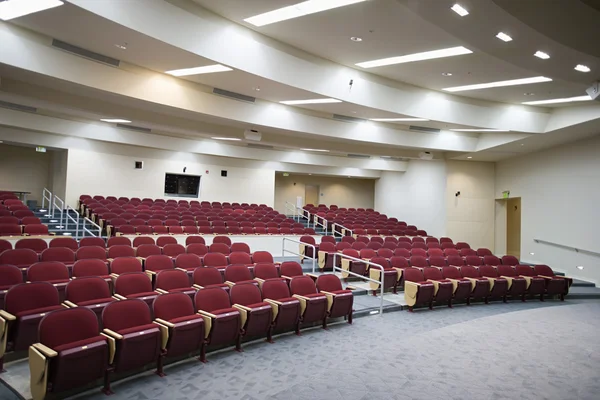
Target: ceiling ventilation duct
pixel 85 53
pixel 423 129
pixel 234 95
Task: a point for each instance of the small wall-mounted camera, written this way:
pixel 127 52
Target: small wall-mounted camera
pixel 457 194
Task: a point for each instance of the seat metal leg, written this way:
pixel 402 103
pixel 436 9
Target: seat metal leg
pixel 325 323
pixel 542 297
pixel 106 389
pixel 202 357
pixel 238 344
pixel 350 317
pixel 159 363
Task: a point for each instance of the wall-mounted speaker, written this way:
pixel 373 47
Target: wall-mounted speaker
pixel 139 164
pixel 223 173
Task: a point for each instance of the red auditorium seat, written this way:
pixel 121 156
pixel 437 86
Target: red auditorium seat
pixel 404 245
pixel 467 252
pixel 138 341
pixel 91 292
pixel 491 260
pixel 134 285
pixel 162 241
pixel 21 258
pixel 92 241
pixel 125 264
pixel 174 312
pixel 148 250
pixel 173 250
pixel 222 322
pixel 435 253
pixel 416 289
pixel 266 271
pixel 262 257
pixel 120 250
pixel 188 262
pixel 256 315
pixel 240 247
pixel 160 230
pixel 419 246
pixel 354 266
pixel 290 269
pixel 10 230
pixel 25 305
pixel 437 261
pixel 475 261
pixel 399 252
pixel 517 285
pixel 141 240
pixel 339 301
pixel 222 239
pixel 217 260
pixel 197 248
pixel 91 252
pixel 443 288
pixel 157 262
pixel 498 285
pixel 313 305
pixel 9 220
pixel 5 245
pixel 208 277
pixel 509 260
pixel 65 359
pixel 194 239
pixel 174 280
pixel 385 253
pixel 555 285
pixel 118 241
pixel 462 286
pixel 418 261
pixel 331 239
pixel 240 258
pixel 237 274
pixel 418 252
pixel 480 286
pixel 23 213
pixel 9 277
pixel 219 248
pixel 462 245
pixel 286 309
pixel 481 252
pixel 61 254
pixel 535 284
pixel 52 272
pixel 390 277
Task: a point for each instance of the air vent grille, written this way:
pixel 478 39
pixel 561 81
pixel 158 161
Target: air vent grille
pixel 423 129
pixel 260 146
pixel 85 53
pixel 347 119
pixel 358 156
pixel 134 128
pixel 234 95
pixel 17 107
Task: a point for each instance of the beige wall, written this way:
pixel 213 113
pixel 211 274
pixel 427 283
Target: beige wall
pixel 470 216
pixel 24 169
pixel 345 192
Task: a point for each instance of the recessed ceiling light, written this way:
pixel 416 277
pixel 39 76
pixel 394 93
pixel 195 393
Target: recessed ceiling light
pixel 116 121
pixel 513 82
pixel 447 73
pixel 522 144
pixel 479 130
pixel 309 174
pixel 542 55
pixel 297 10
pixel 503 36
pixel 121 46
pixel 579 267
pixel 469 157
pixel 349 177
pixel 532 254
pixel 427 55
pixel 1 141
pixel 556 101
pixel 226 138
pixel 319 150
pixel 207 69
pixel 528 94
pixel 356 39
pixel 397 119
pixel 457 8
pixel 582 68
pixel 310 101
pixel 17 8
pixel 257 88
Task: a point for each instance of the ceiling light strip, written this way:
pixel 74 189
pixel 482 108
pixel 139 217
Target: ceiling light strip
pixel 309 101
pixel 479 130
pixel 514 82
pixel 207 69
pixel 556 101
pixel 460 10
pixel 297 10
pixel 398 119
pixel 427 55
pixel 18 8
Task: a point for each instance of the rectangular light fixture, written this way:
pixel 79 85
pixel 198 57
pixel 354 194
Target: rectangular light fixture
pixel 582 68
pixel 207 69
pixel 513 82
pixel 479 130
pixel 18 8
pixel 319 150
pixel 398 119
pixel 297 10
pixel 428 55
pixel 457 8
pixel 310 101
pixel 503 36
pixel 231 139
pixel 542 55
pixel 116 121
pixel 556 101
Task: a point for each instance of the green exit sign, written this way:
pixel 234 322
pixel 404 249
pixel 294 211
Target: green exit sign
pixel 40 149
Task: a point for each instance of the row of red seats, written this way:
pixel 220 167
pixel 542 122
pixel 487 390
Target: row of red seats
pixel 12 220
pixel 18 212
pixel 206 230
pixel 176 330
pixel 266 223
pixel 133 200
pixel 24 230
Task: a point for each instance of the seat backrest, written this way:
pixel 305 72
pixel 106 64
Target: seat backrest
pixel 119 241
pixel 240 258
pixel 64 242
pixel 492 260
pixel 122 265
pixel 302 285
pixel 197 248
pixel 162 241
pixel 30 296
pixel 542 270
pixel 222 248
pixel 169 279
pixel 222 239
pixel 488 271
pixel 35 229
pixel 126 314
pixel 328 283
pixel 188 261
pixel 437 261
pixel 36 244
pixel 143 240
pixel 308 239
pixel 262 257
pixel 215 260
pixel 348 239
pixel 9 220
pixel 481 252
pixel 275 290
pixel 10 276
pixel 399 262
pixel 418 261
pixel 362 239
pixel 329 239
pixel 173 249
pixel 240 247
pixel 131 283
pixel 291 269
pixel 237 273
pixel 464 252
pixel 418 252
pixel 384 252
pixel 82 324
pixel 62 254
pixel 86 289
pixel 47 271
pixel 367 253
pixel 92 241
pixel 457 261
pixel 435 252
pixel 121 250
pixel 451 273
pixel 432 273
pixel 451 252
pixel 506 270
pixel 159 262
pixel 94 267
pixel 19 257
pixel 194 239
pixel 245 294
pixel 419 245
pixel 359 245
pixel 469 271
pixel 87 252
pixel 403 245
pixel 205 276
pixel 212 299
pixel 374 245
pixel 265 271
pixel 510 260
pixel 413 275
pixel 525 270
pixel 462 245
pixel 147 250
pixel 172 305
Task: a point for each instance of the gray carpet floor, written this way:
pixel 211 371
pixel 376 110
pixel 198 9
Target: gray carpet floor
pixel 499 351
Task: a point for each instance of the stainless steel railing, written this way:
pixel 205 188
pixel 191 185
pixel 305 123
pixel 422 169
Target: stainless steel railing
pixel 284 250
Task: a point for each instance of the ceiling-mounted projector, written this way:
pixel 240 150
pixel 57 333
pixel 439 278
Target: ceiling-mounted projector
pixel 252 134
pixel 425 155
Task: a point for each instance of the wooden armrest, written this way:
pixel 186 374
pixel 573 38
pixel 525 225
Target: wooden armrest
pixel 150 273
pixel 161 291
pixel 181 269
pixel 112 347
pixel 165 323
pixel 286 277
pixel 112 334
pixel 195 286
pixel 109 260
pixel 314 276
pixel 7 316
pixel 206 314
pixel 297 296
pixel 45 350
pixel 261 281
pixel 270 301
pixel 241 307
pixel 229 283
pixel 113 275
pixel 327 293
pixel 70 304
pixel 119 297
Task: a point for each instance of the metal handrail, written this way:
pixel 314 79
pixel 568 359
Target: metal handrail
pixel 564 246
pixel 48 193
pixel 86 230
pixel 333 231
pixel 314 258
pixel 55 200
pixel 371 264
pixel 75 220
pixel 324 224
pixel 294 208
